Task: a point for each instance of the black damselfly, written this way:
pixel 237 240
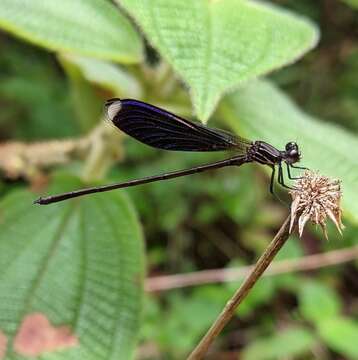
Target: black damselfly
pixel 163 130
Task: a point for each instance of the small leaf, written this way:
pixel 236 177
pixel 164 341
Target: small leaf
pixel 187 318
pixel 78 263
pixel 286 343
pixel 216 45
pixel 318 301
pixel 266 113
pixel 89 27
pixel 85 101
pixel 352 3
pixel 291 250
pixel 107 75
pixel 341 335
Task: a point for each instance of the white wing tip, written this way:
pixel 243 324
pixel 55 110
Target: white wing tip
pixel 114 106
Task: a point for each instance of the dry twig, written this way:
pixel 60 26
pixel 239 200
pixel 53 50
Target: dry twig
pixel 231 306
pixel 99 148
pixel 310 262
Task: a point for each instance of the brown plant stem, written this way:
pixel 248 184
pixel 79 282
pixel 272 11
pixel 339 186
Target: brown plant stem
pixel 305 263
pixel 99 149
pixel 18 159
pixel 231 306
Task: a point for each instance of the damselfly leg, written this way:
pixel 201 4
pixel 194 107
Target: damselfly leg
pixel 299 167
pixel 281 178
pixel 272 182
pixel 289 173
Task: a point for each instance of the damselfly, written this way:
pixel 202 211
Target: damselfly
pixel 161 129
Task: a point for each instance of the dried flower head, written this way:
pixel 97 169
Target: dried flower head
pixel 316 197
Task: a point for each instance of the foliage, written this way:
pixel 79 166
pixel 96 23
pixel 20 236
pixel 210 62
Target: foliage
pixel 353 3
pixel 70 264
pixel 81 262
pixel 91 27
pixel 235 41
pixel 289 342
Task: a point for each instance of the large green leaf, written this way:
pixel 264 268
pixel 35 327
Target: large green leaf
pixel 88 27
pixel 216 45
pixel 79 263
pixel 262 112
pixel 341 335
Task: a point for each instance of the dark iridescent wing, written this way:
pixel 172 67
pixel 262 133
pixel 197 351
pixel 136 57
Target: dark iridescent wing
pixel 161 129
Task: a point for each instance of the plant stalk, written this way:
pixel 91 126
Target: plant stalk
pixel 229 310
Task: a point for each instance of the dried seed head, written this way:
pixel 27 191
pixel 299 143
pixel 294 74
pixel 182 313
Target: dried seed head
pixel 316 197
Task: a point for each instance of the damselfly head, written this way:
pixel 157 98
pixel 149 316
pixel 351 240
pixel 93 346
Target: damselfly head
pixel 113 107
pixel 292 153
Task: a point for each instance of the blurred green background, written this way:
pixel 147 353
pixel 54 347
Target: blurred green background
pixel 215 220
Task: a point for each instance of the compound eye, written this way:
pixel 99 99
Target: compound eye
pixel 291 146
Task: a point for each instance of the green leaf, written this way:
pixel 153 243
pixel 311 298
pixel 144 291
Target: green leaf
pixel 291 250
pixel 187 318
pixel 89 27
pixel 341 335
pixel 36 94
pixel 107 75
pixel 265 113
pixel 317 301
pixel 287 343
pixel 79 263
pixel 87 104
pixel 216 45
pixel 352 3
